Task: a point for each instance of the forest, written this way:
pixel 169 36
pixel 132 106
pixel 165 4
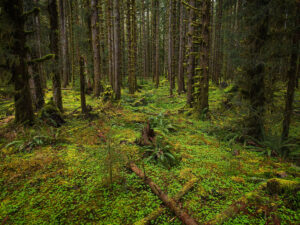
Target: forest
pixel 149 112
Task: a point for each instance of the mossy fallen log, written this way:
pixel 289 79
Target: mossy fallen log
pixel 156 213
pixel 272 186
pixel 170 203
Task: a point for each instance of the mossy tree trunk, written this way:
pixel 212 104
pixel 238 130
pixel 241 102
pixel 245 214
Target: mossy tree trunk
pixel 180 82
pixel 254 67
pixel 156 40
pixel 65 67
pixel 95 46
pixel 20 77
pixel 117 59
pixel 190 53
pixel 131 39
pixel 203 71
pixel 54 40
pixel 171 46
pixel 292 77
pixel 82 86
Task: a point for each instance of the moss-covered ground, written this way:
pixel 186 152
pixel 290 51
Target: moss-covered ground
pixel 77 174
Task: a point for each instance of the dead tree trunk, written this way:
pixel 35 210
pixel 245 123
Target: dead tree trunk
pixel 82 86
pixel 170 203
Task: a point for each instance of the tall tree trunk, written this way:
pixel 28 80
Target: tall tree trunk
pixel 202 93
pixel 36 74
pixel 257 28
pixel 82 86
pixel 156 68
pixel 117 88
pixel 218 43
pixel 292 77
pixel 181 86
pixel 95 46
pixel 131 32
pixel 191 55
pixel 171 47
pixel 144 39
pixel 52 8
pixel 37 24
pixel 20 76
pixel 64 43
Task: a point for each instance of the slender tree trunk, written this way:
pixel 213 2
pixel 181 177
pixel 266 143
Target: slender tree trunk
pixel 37 24
pixel 117 58
pixel 144 39
pixel 82 86
pixel 52 8
pixel 181 86
pixel 171 47
pixel 202 98
pixel 292 77
pixel 95 46
pixel 218 43
pixel 156 43
pixel 131 26
pixel 191 55
pixel 64 43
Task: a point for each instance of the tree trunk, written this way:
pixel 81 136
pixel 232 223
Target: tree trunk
pixel 52 8
pixel 82 86
pixel 292 77
pixel 156 68
pixel 171 47
pixel 180 82
pixel 191 55
pixel 64 43
pixel 117 88
pixel 20 77
pixel 202 93
pixel 253 66
pixel 95 46
pixel 218 43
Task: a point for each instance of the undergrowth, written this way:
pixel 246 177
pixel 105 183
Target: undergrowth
pixel 77 173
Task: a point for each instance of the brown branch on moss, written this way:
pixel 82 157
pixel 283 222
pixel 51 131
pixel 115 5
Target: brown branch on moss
pixel 156 213
pixel 170 203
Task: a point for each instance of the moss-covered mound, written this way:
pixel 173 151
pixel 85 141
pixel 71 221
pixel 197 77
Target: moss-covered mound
pixel 51 115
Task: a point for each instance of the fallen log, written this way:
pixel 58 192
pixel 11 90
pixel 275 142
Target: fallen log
pixel 156 213
pixel 272 186
pixel 170 203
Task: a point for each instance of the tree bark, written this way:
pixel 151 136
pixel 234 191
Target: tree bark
pixel 171 47
pixel 64 43
pixel 191 55
pixel 156 67
pixel 20 76
pixel 202 93
pixel 117 88
pixel 95 46
pixel 292 77
pixel 52 8
pixel 180 82
pixel 82 87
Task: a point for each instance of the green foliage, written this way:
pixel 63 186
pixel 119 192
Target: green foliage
pixel 161 123
pixel 107 93
pixel 274 145
pixel 160 153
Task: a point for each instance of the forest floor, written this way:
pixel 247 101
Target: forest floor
pixel 77 174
